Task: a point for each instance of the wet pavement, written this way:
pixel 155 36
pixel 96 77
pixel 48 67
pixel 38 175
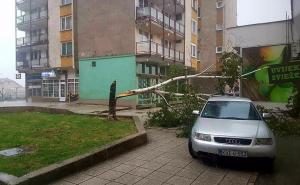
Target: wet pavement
pixel 164 160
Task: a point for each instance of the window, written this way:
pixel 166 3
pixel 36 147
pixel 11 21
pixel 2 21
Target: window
pixel 219 49
pixel 65 2
pixel 73 86
pixel 66 23
pixel 143 36
pixel 143 3
pixel 194 51
pixel 199 12
pixel 194 26
pixel 178 17
pixel 50 88
pixel 230 110
pixel 194 4
pixel 35 55
pixel 219 4
pixel 66 49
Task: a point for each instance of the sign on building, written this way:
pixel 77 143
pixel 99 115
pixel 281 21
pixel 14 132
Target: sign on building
pixel 283 73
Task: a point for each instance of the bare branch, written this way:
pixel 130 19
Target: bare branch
pixel 157 86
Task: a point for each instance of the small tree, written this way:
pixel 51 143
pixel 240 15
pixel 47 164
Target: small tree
pixel 231 70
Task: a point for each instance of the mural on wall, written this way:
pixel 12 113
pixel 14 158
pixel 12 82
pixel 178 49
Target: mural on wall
pixel 257 86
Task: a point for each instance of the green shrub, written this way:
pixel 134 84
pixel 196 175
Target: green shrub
pixel 179 116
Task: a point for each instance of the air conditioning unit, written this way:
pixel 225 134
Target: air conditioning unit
pixel 295 49
pixel 219 49
pixel 219 27
pixel 219 4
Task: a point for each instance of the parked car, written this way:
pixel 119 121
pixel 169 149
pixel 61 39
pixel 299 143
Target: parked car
pixel 231 127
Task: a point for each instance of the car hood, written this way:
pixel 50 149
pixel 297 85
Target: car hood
pixel 225 127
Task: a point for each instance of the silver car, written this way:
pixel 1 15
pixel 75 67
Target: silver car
pixel 231 126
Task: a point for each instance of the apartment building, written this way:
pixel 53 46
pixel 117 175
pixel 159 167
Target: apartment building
pixel 210 33
pixel 133 42
pixel 45 48
pixel 62 42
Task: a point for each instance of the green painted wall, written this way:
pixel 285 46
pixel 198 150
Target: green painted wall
pixel 95 81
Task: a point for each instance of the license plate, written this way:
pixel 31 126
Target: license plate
pixel 233 153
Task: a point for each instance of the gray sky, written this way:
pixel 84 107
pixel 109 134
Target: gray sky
pixel 7 41
pixel 261 11
pixel 249 12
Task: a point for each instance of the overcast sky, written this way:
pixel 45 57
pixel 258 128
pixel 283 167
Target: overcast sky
pixel 249 12
pixel 261 11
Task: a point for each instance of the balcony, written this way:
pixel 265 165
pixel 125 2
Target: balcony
pixel 25 41
pixel 158 17
pixel 39 63
pixel 25 5
pixel 34 17
pixel 35 40
pixel 156 49
pixel 23 65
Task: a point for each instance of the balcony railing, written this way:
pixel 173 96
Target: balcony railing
pixel 153 48
pixel 25 41
pixel 157 16
pixel 39 63
pixel 34 17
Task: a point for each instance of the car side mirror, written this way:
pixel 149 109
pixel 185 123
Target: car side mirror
pixel 196 112
pixel 266 115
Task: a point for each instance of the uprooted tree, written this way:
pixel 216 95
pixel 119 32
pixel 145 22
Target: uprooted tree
pixel 230 73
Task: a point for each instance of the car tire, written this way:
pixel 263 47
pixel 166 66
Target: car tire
pixel 191 151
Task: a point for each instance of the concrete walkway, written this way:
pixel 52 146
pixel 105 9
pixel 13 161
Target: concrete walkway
pixel 164 160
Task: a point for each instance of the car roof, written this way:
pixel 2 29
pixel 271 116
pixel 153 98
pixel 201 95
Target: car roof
pixel 229 98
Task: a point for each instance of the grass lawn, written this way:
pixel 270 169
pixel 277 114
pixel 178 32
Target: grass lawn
pixel 51 138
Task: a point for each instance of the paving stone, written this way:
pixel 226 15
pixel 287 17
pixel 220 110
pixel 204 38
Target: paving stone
pixel 136 162
pixel 236 178
pixel 124 168
pixel 142 172
pixel 111 175
pixel 152 165
pixel 169 169
pixel 189 173
pixel 149 182
pixel 128 179
pixel 77 178
pixel 159 176
pixel 210 177
pixel 114 183
pixel 95 181
pixel 95 171
pixel 177 180
pixel 162 160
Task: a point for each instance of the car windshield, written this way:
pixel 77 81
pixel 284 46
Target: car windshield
pixel 236 110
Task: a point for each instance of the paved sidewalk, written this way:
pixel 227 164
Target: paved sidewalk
pixel 164 160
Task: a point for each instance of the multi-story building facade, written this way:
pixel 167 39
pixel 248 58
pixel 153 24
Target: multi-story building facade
pixel 132 42
pixel 210 33
pixel 99 41
pixel 45 48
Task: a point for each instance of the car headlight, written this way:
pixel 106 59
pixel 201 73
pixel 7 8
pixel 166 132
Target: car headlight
pixel 264 141
pixel 202 137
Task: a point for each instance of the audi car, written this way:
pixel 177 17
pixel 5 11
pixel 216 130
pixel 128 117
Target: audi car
pixel 231 127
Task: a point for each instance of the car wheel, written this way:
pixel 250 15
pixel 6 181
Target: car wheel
pixel 192 152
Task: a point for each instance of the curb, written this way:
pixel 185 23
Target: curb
pixel 78 163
